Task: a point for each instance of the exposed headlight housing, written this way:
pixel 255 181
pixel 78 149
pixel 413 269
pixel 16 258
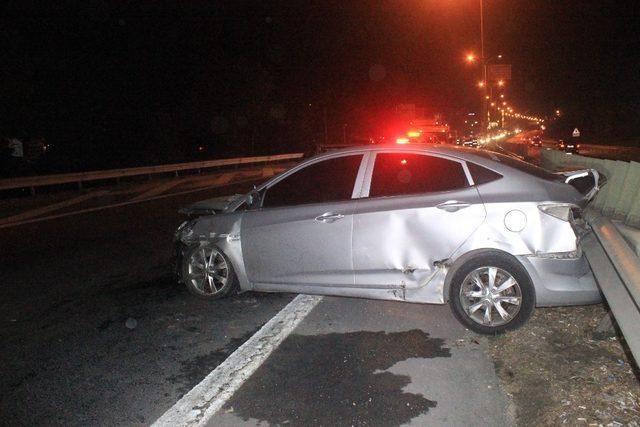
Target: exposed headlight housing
pixel 184 233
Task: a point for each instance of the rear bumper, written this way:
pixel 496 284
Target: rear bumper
pixel 562 281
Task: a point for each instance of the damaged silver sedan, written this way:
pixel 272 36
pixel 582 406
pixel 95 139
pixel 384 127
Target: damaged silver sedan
pixel 489 234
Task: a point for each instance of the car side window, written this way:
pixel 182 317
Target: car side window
pixel 406 173
pixel 482 175
pixel 325 181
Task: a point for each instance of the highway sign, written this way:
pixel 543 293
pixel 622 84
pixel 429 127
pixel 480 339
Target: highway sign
pixel 497 72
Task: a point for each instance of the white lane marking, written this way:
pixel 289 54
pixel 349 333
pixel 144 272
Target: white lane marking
pixel 52 207
pixel 159 189
pixel 198 406
pixel 116 205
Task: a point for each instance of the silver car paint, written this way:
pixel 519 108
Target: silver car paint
pixel 407 271
pixel 274 251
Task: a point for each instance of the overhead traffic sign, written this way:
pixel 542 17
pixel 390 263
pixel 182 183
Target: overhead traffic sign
pixel 576 133
pixel 497 72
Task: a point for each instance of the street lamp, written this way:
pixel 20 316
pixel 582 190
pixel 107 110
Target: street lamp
pixel 470 57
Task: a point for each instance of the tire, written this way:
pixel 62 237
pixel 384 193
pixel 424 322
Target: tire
pixel 482 306
pixel 207 272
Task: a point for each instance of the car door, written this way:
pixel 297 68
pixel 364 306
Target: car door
pixel 302 232
pixel 415 211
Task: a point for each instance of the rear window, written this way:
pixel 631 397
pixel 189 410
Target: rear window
pixel 520 165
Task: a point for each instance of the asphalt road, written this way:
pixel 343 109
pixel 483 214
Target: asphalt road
pixel 94 328
pixel 357 362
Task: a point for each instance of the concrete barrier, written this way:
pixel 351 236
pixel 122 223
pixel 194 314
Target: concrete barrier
pixel 620 198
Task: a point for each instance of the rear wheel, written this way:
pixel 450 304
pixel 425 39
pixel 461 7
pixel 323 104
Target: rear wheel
pixel 492 293
pixel 208 273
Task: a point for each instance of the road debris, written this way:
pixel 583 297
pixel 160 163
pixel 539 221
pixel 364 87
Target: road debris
pixel 558 374
pixel 131 323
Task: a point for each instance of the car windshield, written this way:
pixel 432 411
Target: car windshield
pixel 520 165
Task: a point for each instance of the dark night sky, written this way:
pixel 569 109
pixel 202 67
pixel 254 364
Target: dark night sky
pixel 127 82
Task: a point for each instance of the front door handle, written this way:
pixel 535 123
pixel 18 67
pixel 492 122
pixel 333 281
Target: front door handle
pixel 329 217
pixel 452 205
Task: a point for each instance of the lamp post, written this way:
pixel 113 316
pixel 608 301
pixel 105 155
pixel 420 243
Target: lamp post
pixel 484 110
pixel 487 92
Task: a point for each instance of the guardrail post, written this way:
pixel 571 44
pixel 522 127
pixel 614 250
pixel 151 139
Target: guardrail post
pixel 80 185
pixel 33 190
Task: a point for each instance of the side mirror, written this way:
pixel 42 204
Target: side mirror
pixel 253 198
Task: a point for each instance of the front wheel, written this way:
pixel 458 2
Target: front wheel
pixel 492 293
pixel 208 273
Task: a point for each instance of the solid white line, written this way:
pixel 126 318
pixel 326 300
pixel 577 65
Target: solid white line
pixel 198 406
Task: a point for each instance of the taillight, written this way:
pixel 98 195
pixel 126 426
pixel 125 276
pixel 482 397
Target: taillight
pixel 563 211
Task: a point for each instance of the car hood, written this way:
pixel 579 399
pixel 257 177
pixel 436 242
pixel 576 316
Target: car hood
pixel 210 206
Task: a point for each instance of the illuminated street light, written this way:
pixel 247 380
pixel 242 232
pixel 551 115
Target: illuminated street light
pixel 502 95
pixel 480 84
pixel 471 57
pixel 500 83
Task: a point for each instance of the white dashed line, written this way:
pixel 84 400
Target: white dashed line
pixel 204 400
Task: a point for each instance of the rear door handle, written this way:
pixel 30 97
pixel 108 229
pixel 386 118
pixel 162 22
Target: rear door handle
pixel 452 205
pixel 329 217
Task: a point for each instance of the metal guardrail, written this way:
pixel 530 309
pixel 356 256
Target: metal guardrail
pixel 613 261
pixel 619 199
pixel 617 269
pixel 40 181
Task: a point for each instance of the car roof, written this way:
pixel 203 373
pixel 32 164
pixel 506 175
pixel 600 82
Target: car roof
pixel 464 153
pixel 480 156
